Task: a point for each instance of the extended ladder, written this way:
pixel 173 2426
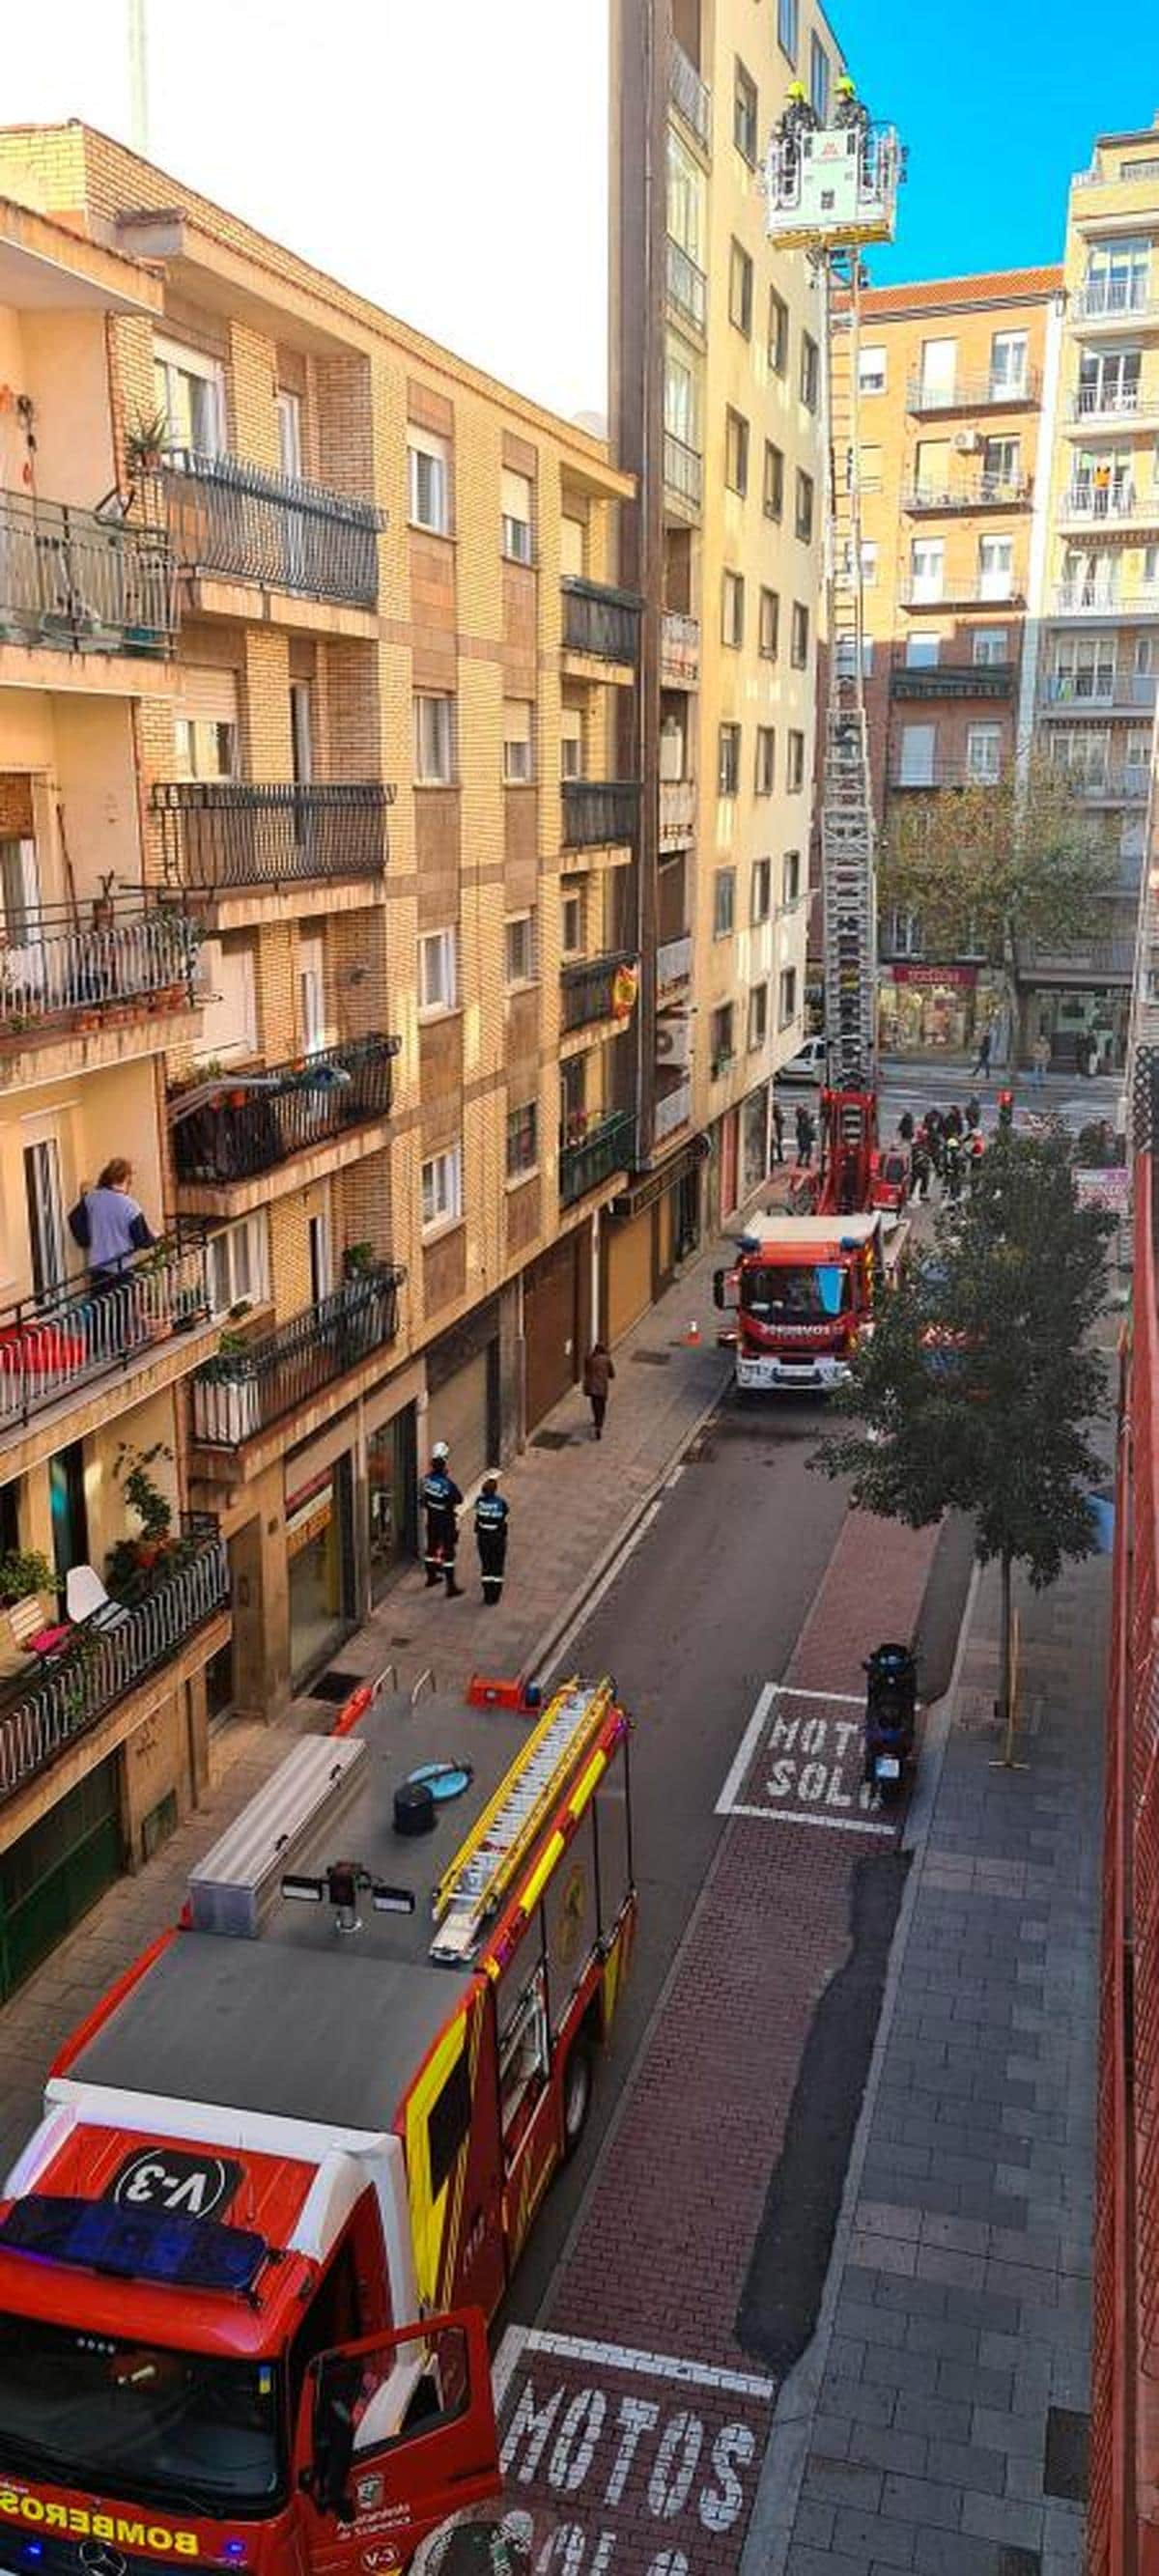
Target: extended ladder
pixel 472 1887
pixel 848 881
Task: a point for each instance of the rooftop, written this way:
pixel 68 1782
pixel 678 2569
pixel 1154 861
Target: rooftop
pixel 938 294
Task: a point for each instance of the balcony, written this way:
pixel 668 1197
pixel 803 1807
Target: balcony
pixel 986 492
pixel 674 963
pixel 955 680
pixel 943 773
pixel 1119 512
pixel 679 651
pixel 1083 693
pixel 108 1657
pixel 71 582
pixel 672 1109
pixel 599 623
pixel 599 814
pixel 677 812
pixel 1103 599
pixel 973 393
pixel 238 522
pixel 687 287
pixel 588 989
pixel 59 1345
pixel 219 833
pixel 607 1146
pixel 1123 783
pixel 683 473
pixel 1133 406
pixel 241 1393
pixel 1114 300
pixel 58 975
pixel 234 1130
pixel 690 96
pixel 962 594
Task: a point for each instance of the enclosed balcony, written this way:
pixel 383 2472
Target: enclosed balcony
pixel 687 287
pixel 679 651
pixel 599 813
pixel 1092 689
pixel 599 623
pixel 608 1145
pixel 61 973
pixel 107 1657
pixel 1119 782
pixel 677 812
pixel 236 1129
pixel 223 833
pixel 674 963
pixel 683 473
pixel 588 991
pixel 690 96
pixel 242 1392
pixel 71 582
pixel 238 522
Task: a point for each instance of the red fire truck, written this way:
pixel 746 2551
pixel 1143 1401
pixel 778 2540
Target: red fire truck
pixel 803 1289
pixel 287 2166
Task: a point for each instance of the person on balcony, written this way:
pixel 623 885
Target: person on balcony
pixel 110 1225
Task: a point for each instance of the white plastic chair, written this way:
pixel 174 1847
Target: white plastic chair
pixel 87 1600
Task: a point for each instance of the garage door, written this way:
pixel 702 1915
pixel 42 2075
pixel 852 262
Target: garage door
pixel 549 1325
pixel 56 1871
pixel 460 1414
pixel 629 1272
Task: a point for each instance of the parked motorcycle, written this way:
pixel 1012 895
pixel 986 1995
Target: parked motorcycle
pixel 890 1717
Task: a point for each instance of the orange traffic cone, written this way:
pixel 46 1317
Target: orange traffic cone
pixel 692 1337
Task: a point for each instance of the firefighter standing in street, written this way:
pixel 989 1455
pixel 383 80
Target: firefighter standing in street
pixel 440 1500
pixel 491 1519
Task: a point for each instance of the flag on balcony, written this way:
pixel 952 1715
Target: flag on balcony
pixel 625 987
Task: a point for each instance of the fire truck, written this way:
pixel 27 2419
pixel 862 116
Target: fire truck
pixel 803 1289
pixel 287 2165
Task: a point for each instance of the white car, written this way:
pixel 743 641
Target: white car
pixel 808 1065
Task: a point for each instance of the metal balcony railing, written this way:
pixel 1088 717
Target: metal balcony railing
pixel 1112 402
pixel 62 1343
pixel 599 813
pixel 587 990
pixel 687 286
pixel 600 621
pixel 945 773
pixel 608 1146
pixel 54 968
pixel 984 591
pixel 1119 783
pixel 239 520
pixel 683 471
pixel 1104 509
pixel 982 492
pixel 231 1131
pixel 107 1657
pixel 1102 689
pixel 1103 298
pixel 677 811
pixel 689 93
pixel 80 584
pixel 973 393
pixel 954 680
pixel 672 1109
pixel 673 962
pixel 679 650
pixel 240 1393
pixel 220 833
pixel 1103 599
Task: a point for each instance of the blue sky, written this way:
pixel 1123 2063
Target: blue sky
pixel 999 110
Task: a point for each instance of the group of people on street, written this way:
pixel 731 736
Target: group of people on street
pixel 442 1500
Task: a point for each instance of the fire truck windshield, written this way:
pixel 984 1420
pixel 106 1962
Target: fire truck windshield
pixel 809 1293
pixel 85 2410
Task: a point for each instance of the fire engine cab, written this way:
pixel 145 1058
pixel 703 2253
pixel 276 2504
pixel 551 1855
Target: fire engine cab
pixel 803 1289
pixel 287 2166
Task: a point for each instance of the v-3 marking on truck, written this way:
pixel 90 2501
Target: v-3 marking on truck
pixel 287 2166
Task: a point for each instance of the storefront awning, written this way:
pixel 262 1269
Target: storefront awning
pixel 652 1186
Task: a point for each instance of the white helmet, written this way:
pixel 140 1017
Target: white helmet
pixel 440 1450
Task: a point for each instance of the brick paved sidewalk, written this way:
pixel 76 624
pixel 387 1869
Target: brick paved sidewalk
pixel 941 2410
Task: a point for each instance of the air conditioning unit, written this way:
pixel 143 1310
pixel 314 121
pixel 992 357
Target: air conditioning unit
pixel 966 442
pixel 674 1039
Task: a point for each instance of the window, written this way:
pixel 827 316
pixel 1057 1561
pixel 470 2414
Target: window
pixel 790 879
pixel 995 567
pixel 769 628
pixel 1109 380
pixel 519 949
pixel 799 637
pixel 778 333
pixel 766 768
pixel 522 1139
pixel 1001 464
pixel 434 741
pixel 1008 362
pixel 795 763
pixel 1117 278
pixel 804 511
pixel 728 760
pixel 787 28
pixel 991 644
pixel 571 935
pixel 932 468
pixel 238 1267
pixel 736 452
pixel 740 289
pixel 774 482
pixel 188 391
pixel 919 744
pixel 516 502
pixel 439 970
pixel 428 465
pixel 787 997
pixel 723 902
pixel 571 742
pixel 871 371
pixel 449 2123
pixel 720 1038
pixel 518 758
pixel 922 652
pixel 926 562
pixel 681 398
pixel 761 892
pixel 983 753
pixel 819 79
pixel 732 609
pixel 869 468
pixel 758 1015
pixel 939 367
pixel 810 372
pixel 441 1184
pixel 869 560
pixel 203 748
pixel 685 205
pixel 744 114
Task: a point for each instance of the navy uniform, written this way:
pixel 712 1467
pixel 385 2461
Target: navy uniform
pixel 440 1498
pixel 491 1519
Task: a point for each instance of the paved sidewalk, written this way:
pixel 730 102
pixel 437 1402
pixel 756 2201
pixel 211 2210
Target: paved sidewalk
pixel 938 2421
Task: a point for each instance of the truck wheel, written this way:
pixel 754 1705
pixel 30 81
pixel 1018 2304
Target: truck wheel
pixel 577 2096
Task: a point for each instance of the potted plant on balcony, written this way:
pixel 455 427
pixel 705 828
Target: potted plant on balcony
pixel 23 1571
pixel 146 440
pixel 358 1260
pixel 132 1564
pixel 225 1403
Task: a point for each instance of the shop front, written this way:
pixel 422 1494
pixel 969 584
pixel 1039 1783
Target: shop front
pixel 320 1561
pixel 556 1321
pixel 754 1141
pixel 1086 1024
pixel 927 1009
pixel 391 1484
pixel 463 1394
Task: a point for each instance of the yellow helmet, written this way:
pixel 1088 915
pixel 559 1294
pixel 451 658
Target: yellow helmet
pixel 795 90
pixel 845 87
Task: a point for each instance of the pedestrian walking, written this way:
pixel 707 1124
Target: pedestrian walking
pixel 1041 1059
pixel 778 1132
pixel 110 1226
pixel 973 1114
pixel 805 1134
pixel 981 1063
pixel 441 1499
pixel 599 1370
pixel 905 1127
pixel 491 1524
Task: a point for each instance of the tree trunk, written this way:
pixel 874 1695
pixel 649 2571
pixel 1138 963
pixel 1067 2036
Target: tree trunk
pixel 1006 1681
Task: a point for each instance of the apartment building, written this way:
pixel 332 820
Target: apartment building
pixel 1098 631
pixel 317 724
pixel 954 459
pixel 716 407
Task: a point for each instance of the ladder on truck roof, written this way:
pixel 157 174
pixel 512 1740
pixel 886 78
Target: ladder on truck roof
pixel 472 1887
pixel 847 871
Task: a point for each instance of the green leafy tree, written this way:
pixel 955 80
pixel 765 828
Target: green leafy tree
pixel 976 1387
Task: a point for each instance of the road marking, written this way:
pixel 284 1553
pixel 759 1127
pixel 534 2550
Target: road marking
pixel 746 1749
pixel 803 1816
pixel 648 2365
pixel 813 1763
pixel 836 1699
